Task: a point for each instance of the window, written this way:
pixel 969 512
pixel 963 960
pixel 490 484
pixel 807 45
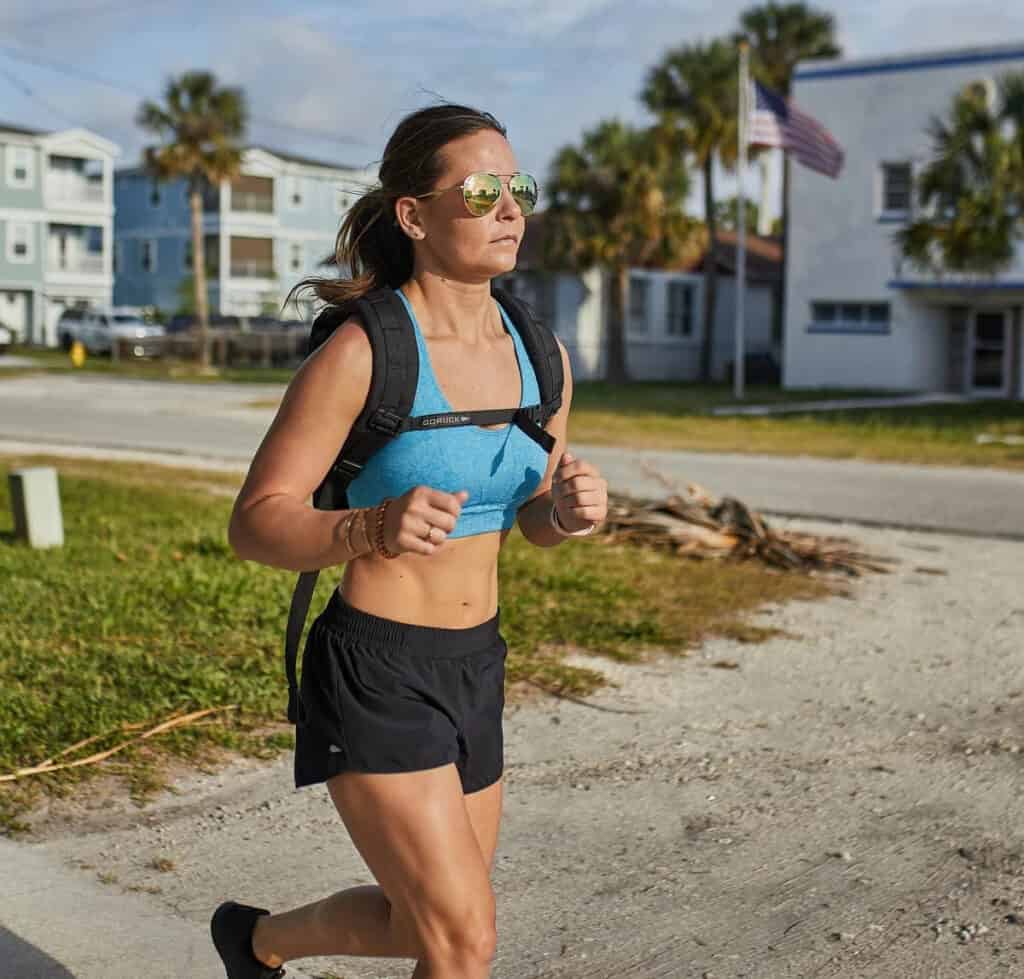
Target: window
pixel 896 189
pixel 148 255
pixel 639 292
pixel 295 256
pixel 679 318
pixel 20 167
pixel 843 317
pixel 294 188
pixel 118 256
pixel 19 243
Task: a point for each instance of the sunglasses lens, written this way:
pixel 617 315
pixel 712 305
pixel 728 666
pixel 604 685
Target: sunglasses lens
pixel 481 192
pixel 523 189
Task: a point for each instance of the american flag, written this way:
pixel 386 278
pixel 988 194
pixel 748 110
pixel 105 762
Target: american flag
pixel 776 122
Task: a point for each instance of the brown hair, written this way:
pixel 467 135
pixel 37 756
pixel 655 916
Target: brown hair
pixel 370 243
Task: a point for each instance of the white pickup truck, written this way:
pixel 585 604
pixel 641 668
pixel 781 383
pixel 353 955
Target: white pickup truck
pixel 98 328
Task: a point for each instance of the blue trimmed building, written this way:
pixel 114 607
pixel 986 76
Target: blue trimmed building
pixel 263 231
pixel 858 315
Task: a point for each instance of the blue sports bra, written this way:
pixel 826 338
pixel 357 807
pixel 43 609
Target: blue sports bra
pixel 500 468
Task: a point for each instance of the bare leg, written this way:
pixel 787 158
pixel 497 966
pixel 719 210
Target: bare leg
pixel 362 920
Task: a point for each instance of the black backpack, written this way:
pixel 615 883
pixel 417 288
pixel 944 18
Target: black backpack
pixel 386 413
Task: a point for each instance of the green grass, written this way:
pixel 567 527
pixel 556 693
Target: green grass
pixel 145 612
pixel 670 416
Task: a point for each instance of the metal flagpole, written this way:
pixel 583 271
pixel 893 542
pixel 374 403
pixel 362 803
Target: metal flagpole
pixel 741 224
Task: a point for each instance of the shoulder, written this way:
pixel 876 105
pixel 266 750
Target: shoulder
pixel 345 354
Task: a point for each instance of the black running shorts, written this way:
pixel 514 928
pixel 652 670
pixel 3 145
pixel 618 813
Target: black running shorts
pixel 378 695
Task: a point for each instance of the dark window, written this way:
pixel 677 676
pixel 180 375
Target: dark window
pixel 896 183
pixel 856 317
pixel 679 321
pixel 639 291
pixel 823 312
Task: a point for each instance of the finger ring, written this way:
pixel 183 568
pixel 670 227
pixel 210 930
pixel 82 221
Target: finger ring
pixel 430 530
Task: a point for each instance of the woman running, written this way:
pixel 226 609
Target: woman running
pixel 403 672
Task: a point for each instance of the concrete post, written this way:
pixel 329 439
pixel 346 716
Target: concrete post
pixel 35 501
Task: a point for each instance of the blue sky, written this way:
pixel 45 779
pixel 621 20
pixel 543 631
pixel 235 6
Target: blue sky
pixel 345 73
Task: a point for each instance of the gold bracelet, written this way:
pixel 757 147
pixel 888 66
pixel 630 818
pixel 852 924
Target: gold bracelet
pixel 351 519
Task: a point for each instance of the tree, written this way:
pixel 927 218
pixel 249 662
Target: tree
pixel 971 193
pixel 694 90
pixel 727 213
pixel 200 126
pixel 617 202
pixel 780 35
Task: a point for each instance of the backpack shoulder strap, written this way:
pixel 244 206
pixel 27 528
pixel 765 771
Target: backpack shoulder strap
pixel 542 349
pixel 384 416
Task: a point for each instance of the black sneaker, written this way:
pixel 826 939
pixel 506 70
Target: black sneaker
pixel 231 928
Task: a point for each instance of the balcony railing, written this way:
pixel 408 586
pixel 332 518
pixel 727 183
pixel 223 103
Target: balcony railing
pixel 245 200
pixel 83 265
pixel 74 192
pixel 252 269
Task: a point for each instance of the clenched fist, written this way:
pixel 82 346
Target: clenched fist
pixel 579 492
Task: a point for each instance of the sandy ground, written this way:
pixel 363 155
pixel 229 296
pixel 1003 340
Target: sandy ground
pixel 844 802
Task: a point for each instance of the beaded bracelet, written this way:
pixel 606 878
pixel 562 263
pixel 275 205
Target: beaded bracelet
pixel 557 524
pixel 382 548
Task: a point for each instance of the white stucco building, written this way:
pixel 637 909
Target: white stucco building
pixel 857 314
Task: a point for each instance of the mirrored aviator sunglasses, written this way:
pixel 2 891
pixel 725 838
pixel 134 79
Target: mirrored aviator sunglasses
pixel 482 190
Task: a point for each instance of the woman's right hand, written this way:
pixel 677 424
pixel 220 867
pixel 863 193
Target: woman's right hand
pixel 407 518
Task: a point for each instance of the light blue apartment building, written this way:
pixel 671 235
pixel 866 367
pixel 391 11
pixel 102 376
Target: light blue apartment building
pixel 263 231
pixel 56 226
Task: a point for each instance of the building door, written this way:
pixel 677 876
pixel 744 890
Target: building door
pixel 988 362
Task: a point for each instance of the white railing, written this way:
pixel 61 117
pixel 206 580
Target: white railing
pixel 244 200
pixel 252 269
pixel 83 265
pixel 74 191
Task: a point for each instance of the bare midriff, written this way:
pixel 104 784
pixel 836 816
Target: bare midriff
pixel 454 588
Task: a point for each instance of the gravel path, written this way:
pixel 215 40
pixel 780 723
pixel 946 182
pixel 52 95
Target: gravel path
pixel 843 802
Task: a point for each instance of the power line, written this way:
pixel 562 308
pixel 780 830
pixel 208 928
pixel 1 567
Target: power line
pixel 17 83
pixel 75 72
pixel 66 12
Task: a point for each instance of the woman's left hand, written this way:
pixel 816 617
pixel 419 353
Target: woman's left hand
pixel 579 492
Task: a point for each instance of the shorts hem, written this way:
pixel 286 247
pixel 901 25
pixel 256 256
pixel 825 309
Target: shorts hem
pixel 338 764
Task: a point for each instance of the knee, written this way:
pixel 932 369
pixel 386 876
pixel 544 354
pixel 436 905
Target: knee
pixel 465 944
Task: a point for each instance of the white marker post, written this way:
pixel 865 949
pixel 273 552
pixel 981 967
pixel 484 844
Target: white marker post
pixel 35 501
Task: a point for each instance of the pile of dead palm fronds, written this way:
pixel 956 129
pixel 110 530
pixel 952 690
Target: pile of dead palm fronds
pixel 699 525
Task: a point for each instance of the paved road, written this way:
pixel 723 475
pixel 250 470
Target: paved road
pixel 218 421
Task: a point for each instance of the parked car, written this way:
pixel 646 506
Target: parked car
pixel 6 338
pixel 99 328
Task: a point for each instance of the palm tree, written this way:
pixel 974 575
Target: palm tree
pixel 780 35
pixel 200 126
pixel 971 193
pixel 694 90
pixel 617 202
